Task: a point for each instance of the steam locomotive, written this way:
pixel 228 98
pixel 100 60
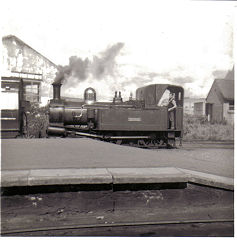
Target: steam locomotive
pixel 141 122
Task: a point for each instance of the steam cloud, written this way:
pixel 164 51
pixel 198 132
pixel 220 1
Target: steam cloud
pixel 99 67
pixel 105 75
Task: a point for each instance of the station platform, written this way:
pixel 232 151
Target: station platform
pixel 113 176
pixel 57 161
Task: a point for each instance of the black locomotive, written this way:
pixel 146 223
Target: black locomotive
pixel 142 122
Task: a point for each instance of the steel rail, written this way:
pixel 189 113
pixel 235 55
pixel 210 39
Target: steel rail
pixel 115 225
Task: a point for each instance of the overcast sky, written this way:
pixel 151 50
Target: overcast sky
pixel 188 44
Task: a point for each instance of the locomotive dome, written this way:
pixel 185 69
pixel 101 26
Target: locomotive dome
pixel 90 95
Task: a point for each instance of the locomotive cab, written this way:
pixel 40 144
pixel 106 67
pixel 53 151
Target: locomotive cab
pixel 154 93
pixel 157 95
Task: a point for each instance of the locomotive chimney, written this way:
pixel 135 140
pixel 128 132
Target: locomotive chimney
pixel 56 91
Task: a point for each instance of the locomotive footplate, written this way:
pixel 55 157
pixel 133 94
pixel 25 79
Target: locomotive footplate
pixel 141 141
pixel 171 134
pixel 171 139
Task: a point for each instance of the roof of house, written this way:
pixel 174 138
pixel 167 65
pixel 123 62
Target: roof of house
pixel 226 88
pixel 231 74
pixel 23 43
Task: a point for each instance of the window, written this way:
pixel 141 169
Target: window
pixel 231 105
pixel 31 92
pixel 179 96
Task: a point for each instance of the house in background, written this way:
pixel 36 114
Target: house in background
pixel 189 105
pixel 200 107
pixel 220 100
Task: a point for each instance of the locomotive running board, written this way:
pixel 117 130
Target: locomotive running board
pixel 86 134
pixel 62 131
pixel 111 137
pixel 53 130
pixel 129 137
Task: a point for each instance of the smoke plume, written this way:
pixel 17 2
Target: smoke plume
pixel 79 69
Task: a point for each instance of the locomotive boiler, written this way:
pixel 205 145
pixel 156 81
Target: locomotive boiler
pixel 142 122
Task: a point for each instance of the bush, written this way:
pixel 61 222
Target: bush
pixel 37 121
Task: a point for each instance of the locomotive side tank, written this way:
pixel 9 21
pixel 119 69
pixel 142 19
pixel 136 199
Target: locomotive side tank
pixel 143 121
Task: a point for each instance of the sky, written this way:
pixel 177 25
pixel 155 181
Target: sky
pixel 187 43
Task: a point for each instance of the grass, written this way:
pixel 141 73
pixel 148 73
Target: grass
pixel 198 128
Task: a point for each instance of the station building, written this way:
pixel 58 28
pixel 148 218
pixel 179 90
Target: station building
pixel 26 78
pixel 20 61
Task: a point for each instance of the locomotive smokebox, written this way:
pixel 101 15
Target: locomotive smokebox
pixel 56 91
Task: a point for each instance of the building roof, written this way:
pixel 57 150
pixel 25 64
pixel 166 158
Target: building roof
pixel 226 88
pixel 23 43
pixel 231 74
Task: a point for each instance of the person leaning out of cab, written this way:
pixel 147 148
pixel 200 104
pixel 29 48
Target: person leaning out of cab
pixel 171 110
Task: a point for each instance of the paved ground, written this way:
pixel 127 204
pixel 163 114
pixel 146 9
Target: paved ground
pixel 37 162
pixel 58 153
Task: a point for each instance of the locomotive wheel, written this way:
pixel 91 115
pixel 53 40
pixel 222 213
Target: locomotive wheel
pixel 162 142
pixel 152 143
pixel 156 143
pixel 132 143
pixel 141 143
pixel 119 141
pixel 171 143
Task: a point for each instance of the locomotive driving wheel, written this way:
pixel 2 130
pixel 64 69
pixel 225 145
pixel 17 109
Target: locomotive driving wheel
pixel 141 143
pixel 119 141
pixel 171 143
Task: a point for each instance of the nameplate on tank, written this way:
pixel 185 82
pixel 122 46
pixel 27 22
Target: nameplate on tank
pixel 134 119
pixel 7 118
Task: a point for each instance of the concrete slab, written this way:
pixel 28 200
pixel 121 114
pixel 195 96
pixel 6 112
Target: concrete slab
pixel 69 176
pixel 112 176
pixel 209 179
pixel 147 175
pixel 14 178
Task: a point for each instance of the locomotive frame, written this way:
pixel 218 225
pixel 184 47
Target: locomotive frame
pixel 140 122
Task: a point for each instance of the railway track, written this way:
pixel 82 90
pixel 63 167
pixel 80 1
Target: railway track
pixel 131 227
pixel 192 211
